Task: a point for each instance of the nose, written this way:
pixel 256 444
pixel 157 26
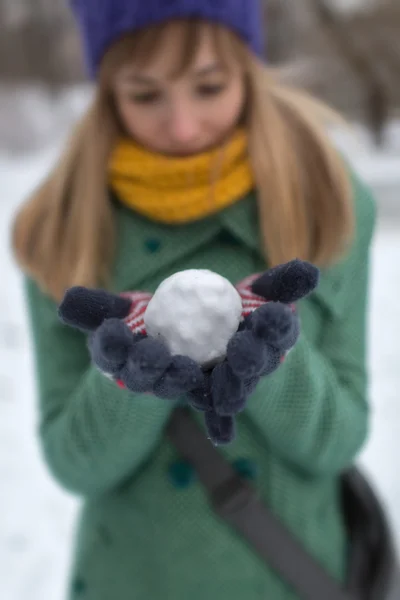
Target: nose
pixel 183 125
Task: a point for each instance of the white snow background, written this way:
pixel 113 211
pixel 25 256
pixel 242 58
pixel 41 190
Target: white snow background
pixel 36 516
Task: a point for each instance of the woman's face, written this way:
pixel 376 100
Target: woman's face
pixel 181 116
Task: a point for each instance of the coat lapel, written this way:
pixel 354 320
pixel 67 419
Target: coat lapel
pixel 145 248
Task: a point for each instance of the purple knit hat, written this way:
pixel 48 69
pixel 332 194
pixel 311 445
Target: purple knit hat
pixel 102 22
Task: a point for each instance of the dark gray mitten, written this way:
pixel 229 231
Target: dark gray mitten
pixel 220 429
pixel 260 346
pixel 250 356
pixel 127 355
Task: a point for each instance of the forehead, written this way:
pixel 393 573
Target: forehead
pixel 177 51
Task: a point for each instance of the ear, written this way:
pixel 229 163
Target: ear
pixel 86 309
pixel 287 283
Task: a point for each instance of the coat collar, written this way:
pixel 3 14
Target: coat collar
pixel 154 247
pixel 241 219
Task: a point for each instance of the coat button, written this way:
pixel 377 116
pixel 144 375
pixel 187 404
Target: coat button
pixel 246 468
pixel 152 245
pixel 78 587
pixel 181 474
pixel 226 237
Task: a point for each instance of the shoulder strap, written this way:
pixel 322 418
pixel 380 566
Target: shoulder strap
pixel 235 501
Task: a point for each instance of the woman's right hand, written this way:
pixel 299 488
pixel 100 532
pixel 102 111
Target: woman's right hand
pixel 135 361
pixel 140 363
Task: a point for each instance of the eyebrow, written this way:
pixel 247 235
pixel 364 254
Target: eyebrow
pixel 144 79
pixel 215 68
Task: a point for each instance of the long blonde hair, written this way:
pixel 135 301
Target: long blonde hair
pixel 64 234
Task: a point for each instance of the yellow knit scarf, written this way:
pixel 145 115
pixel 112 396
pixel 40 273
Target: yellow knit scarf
pixel 180 190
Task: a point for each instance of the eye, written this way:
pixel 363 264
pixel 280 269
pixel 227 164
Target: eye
pixel 145 98
pixel 210 90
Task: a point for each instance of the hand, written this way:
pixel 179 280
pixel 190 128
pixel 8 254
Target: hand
pixel 266 336
pixel 220 429
pixel 255 352
pixel 139 363
pixel 143 364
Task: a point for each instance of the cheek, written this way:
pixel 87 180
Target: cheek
pixel 229 109
pixel 137 122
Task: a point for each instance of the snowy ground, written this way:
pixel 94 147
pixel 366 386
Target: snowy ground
pixel 36 517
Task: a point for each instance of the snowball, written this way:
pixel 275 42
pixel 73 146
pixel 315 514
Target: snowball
pixel 195 312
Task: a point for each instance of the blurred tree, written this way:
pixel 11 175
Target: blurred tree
pixel 347 52
pixel 38 42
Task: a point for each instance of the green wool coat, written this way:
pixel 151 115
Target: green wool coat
pixel 142 535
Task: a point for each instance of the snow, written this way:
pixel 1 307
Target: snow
pixel 36 517
pixel 377 166
pixel 30 115
pixel 195 312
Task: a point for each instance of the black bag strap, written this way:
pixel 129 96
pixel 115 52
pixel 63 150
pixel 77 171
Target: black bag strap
pixel 237 502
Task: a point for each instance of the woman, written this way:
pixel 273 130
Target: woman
pixel 192 155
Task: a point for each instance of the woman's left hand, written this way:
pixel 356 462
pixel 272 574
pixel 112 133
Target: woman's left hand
pixel 255 351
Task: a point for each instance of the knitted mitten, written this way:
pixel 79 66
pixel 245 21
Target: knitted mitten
pixel 120 348
pixel 269 330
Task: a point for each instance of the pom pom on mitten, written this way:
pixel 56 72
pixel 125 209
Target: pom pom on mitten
pixel 287 283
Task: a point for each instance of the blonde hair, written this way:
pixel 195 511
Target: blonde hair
pixel 65 234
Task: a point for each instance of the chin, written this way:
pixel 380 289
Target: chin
pixel 188 152
pixel 173 153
